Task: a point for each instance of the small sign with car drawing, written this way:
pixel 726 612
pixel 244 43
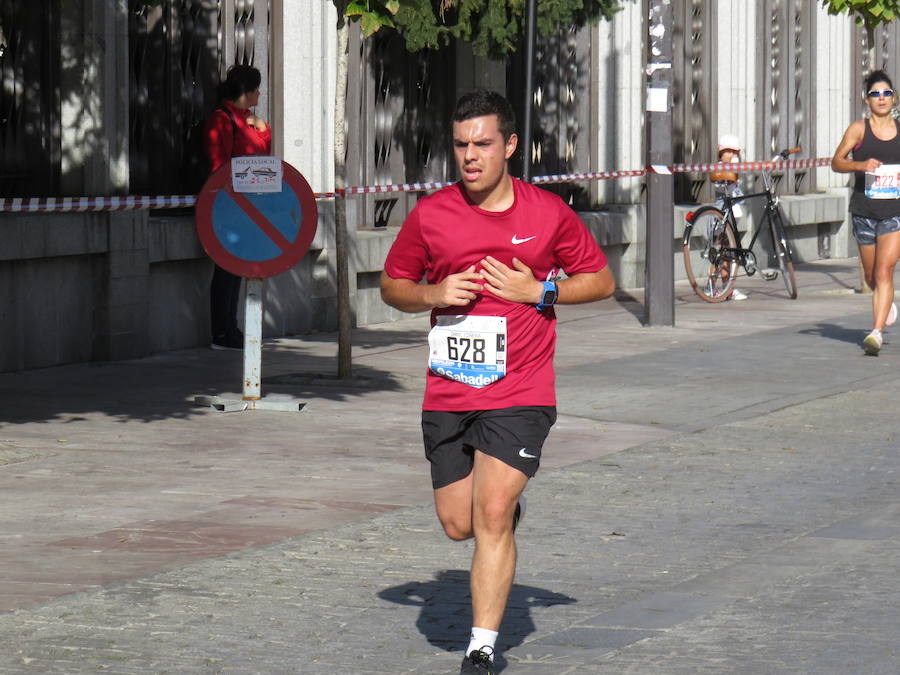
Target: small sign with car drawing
pixel 256 173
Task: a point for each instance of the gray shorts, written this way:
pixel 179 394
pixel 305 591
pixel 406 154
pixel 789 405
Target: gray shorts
pixel 867 229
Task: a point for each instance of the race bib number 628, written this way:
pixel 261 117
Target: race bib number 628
pixel 468 349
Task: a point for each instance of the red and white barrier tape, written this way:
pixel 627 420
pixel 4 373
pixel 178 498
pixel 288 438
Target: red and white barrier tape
pixel 80 204
pixel 62 204
pixel 780 165
pixel 400 187
pixel 594 175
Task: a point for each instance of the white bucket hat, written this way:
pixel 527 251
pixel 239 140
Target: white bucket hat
pixel 729 142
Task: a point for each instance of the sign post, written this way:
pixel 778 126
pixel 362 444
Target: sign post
pixel 253 339
pixel 256 217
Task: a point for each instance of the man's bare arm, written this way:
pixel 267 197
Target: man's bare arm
pixel 457 290
pixel 517 284
pixel 586 287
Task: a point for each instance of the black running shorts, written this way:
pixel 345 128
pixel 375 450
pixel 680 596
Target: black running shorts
pixel 513 435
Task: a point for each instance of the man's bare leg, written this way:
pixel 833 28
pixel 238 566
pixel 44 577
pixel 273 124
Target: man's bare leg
pixel 453 504
pixel 495 492
pixel 482 505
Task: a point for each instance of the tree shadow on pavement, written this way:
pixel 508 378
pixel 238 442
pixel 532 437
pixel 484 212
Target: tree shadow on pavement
pixel 834 332
pixel 163 386
pixel 446 615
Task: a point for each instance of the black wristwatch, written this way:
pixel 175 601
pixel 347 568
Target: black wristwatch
pixel 548 299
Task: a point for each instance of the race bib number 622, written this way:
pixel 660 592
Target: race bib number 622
pixel 468 349
pixel 884 182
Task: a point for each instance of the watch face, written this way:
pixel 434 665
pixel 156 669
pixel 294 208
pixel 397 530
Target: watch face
pixel 549 297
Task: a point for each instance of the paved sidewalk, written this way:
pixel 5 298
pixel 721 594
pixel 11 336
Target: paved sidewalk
pixel 717 497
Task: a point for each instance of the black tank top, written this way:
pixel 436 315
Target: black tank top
pixel 889 153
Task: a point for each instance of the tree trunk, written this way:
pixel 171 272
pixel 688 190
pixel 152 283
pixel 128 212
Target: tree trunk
pixel 345 365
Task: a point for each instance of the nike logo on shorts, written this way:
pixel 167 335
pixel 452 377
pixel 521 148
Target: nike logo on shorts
pixel 523 453
pixel 516 240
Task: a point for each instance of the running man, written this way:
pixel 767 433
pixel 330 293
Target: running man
pixel 490 249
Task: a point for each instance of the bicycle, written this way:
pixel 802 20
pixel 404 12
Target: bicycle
pixel 712 242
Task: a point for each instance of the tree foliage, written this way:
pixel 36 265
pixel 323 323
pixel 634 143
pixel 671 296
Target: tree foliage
pixel 492 27
pixel 870 13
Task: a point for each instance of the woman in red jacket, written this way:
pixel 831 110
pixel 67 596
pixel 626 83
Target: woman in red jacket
pixel 233 131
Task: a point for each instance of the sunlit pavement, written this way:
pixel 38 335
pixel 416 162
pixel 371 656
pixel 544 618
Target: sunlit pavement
pixel 719 496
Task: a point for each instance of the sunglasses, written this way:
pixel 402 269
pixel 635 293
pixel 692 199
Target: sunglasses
pixel 883 93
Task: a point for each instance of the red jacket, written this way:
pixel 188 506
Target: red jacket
pixel 223 141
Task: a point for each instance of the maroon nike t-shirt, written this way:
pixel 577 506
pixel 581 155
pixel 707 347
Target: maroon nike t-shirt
pixel 445 233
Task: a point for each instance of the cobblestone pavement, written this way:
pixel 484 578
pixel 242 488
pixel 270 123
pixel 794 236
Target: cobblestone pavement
pixel 722 498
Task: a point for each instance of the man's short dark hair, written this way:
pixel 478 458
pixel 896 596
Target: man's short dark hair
pixel 482 102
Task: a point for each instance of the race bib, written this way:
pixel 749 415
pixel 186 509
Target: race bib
pixel 884 183
pixel 468 349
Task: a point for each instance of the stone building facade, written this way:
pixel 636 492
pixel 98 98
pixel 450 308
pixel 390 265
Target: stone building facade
pixel 103 97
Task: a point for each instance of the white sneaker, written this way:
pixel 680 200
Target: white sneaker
pixel 892 315
pixel 737 295
pixel 872 343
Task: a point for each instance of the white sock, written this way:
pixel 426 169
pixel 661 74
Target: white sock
pixel 482 637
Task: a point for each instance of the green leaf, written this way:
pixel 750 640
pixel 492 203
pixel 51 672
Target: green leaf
pixel 371 23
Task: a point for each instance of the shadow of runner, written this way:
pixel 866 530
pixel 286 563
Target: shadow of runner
pixel 446 615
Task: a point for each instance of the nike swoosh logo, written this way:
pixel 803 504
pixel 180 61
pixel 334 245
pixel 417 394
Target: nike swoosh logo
pixel 525 455
pixel 516 240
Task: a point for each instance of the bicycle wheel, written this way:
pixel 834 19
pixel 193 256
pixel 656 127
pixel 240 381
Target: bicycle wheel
pixel 709 260
pixel 783 254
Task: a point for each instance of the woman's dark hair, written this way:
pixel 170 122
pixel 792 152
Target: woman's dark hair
pixel 482 102
pixel 240 79
pixel 877 76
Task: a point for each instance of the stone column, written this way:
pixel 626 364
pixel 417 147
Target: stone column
pixel 94 97
pixel 618 72
pixel 121 323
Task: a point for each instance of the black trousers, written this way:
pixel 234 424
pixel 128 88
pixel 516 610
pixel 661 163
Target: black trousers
pixel 224 293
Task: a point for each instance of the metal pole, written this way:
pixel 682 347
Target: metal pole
pixel 527 133
pixel 659 273
pixel 253 339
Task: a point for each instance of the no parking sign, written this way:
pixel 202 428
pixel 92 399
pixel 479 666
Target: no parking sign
pixel 256 234
pixel 256 217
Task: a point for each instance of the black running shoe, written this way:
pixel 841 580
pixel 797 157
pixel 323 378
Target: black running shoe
pixel 478 662
pixel 519 513
pixel 227 342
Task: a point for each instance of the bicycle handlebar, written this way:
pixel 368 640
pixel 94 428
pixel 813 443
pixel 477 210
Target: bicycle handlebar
pixel 784 154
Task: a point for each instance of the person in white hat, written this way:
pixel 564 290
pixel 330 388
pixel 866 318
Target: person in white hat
pixel 729 150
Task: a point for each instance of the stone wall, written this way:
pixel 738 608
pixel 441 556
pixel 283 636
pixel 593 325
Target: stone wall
pixel 107 286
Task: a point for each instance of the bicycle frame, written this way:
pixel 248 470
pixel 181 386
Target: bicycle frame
pixel 769 217
pixel 711 261
pixel 769 212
